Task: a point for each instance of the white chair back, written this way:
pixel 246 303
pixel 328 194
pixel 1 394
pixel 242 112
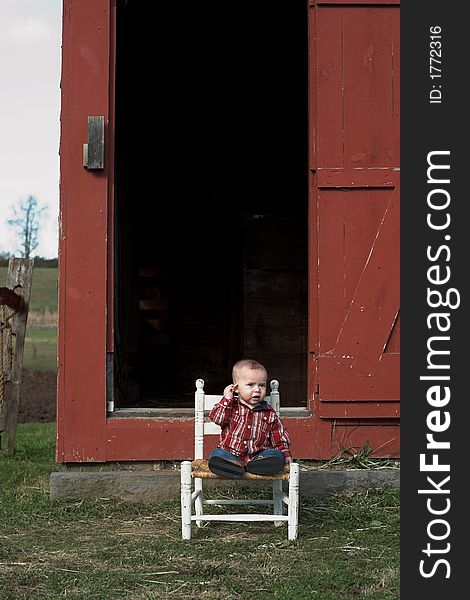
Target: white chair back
pixel 204 403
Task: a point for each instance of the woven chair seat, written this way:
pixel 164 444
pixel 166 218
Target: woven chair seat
pixel 200 469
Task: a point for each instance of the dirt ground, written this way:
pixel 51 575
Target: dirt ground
pixel 38 397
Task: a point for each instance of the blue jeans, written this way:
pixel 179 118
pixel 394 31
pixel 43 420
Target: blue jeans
pixel 264 453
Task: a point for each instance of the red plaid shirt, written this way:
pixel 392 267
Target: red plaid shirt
pixel 246 431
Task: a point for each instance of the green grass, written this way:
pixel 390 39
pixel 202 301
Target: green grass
pixel 43 289
pixel 348 546
pixel 40 349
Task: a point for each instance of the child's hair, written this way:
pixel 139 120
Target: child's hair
pixel 250 364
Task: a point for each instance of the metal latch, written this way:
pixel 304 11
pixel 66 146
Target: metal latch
pixel 93 151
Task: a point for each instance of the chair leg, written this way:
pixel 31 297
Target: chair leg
pixel 293 511
pixel 186 499
pixel 199 499
pixel 277 499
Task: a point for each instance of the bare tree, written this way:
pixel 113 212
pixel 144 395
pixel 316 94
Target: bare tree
pixel 27 219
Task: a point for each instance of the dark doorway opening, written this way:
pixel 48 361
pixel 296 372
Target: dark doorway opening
pixel 211 199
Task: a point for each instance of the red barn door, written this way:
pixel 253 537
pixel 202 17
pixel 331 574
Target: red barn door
pixel 354 223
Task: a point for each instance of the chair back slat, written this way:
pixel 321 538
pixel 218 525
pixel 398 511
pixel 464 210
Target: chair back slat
pixel 210 401
pixel 211 428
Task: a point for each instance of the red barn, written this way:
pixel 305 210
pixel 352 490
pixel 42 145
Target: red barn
pixel 229 188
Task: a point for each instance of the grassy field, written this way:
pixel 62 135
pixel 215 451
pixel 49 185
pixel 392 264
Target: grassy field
pixel 40 349
pixel 348 546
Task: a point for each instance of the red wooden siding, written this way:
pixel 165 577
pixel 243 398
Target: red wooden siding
pixel 173 439
pixel 354 157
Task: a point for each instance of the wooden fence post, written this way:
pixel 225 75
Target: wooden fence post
pixel 14 305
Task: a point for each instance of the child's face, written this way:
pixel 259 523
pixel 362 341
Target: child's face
pixel 251 385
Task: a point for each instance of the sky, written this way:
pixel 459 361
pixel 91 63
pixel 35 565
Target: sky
pixel 30 66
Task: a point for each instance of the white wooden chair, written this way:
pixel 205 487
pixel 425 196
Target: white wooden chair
pixel 198 470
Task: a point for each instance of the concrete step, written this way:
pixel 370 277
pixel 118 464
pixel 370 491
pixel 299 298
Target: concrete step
pixel 148 486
